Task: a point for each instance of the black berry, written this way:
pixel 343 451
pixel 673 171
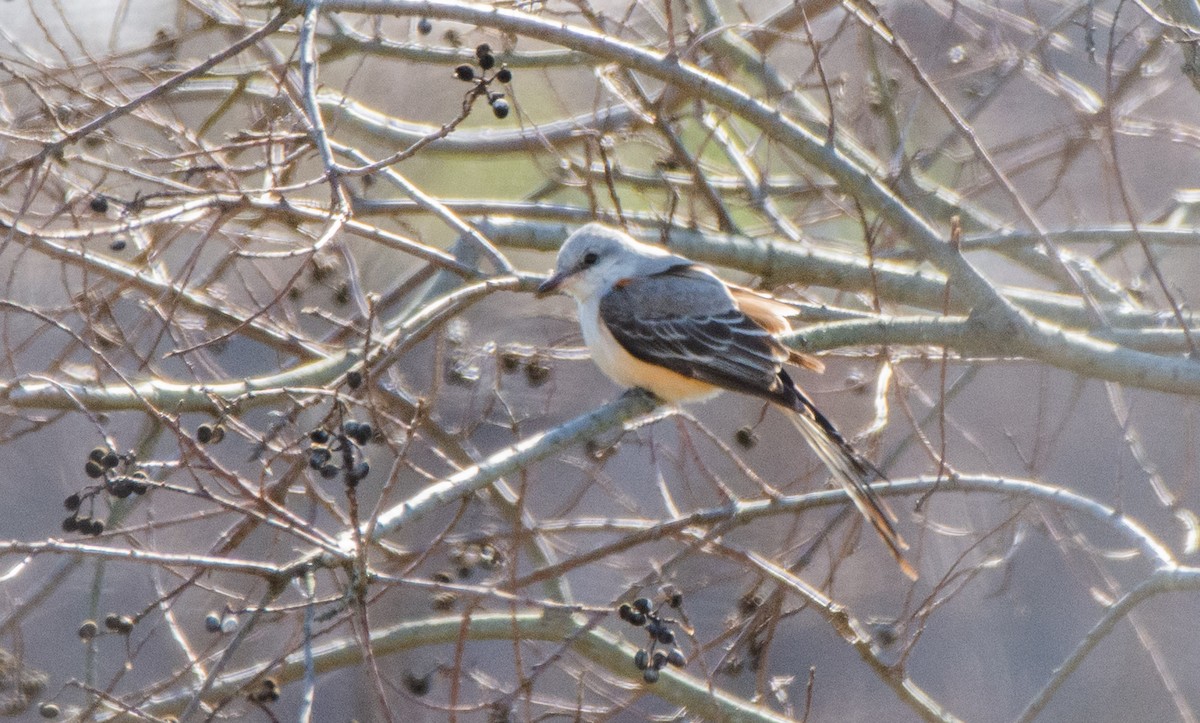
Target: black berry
pixel 88 629
pixel 362 433
pixel 318 457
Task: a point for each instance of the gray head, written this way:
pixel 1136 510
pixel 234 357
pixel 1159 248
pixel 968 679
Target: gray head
pixel 597 256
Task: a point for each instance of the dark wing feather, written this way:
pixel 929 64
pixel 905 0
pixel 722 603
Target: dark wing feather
pixel 686 320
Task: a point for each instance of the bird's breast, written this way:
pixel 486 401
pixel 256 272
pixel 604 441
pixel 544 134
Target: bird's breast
pixel 629 371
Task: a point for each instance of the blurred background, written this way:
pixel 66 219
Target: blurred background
pixel 194 194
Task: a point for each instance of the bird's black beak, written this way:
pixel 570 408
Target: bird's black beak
pixel 550 285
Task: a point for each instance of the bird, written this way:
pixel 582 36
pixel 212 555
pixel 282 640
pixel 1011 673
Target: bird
pixel 672 327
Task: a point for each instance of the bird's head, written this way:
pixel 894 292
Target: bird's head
pixel 596 256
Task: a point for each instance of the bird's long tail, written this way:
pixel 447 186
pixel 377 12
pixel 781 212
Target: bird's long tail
pixel 851 470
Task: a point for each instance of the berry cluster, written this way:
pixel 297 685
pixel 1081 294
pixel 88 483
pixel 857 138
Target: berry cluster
pixel 100 204
pixel 120 624
pixel 215 622
pixel 102 463
pixel 486 61
pixel 642 615
pixel 347 443
pixel 210 433
pixel 537 371
pixel 468 559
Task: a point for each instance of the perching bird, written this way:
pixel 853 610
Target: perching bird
pixel 672 327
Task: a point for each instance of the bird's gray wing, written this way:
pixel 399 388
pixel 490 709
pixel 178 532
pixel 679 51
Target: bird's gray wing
pixel 684 319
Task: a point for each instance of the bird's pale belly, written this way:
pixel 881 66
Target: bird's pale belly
pixel 627 370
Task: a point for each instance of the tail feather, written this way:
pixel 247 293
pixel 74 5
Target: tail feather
pixel 851 470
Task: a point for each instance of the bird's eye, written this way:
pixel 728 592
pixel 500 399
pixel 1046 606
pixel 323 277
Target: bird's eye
pixel 590 258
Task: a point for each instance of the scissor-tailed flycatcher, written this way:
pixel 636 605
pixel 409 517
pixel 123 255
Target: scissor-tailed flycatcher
pixel 670 326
